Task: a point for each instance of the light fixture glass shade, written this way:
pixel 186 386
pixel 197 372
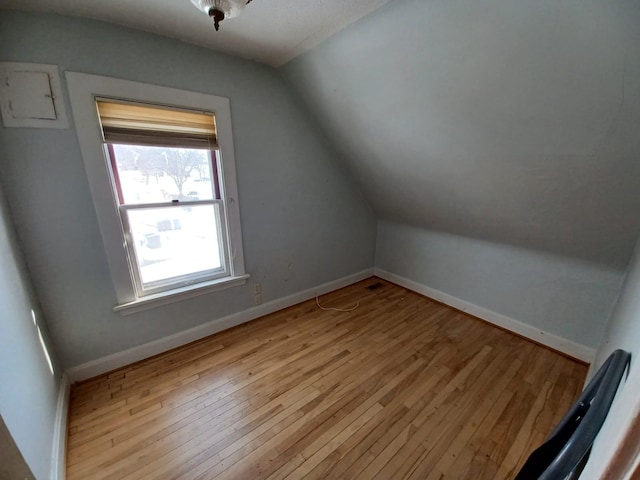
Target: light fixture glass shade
pixel 230 8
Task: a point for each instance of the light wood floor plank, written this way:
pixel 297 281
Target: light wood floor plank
pixel 403 387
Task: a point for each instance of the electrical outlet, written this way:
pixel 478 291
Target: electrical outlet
pixel 257 288
pixel 257 299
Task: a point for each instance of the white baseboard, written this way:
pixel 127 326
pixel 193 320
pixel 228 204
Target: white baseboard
pixel 132 355
pixel 59 447
pixel 568 347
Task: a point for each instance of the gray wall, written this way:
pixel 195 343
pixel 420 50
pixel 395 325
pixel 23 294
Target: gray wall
pixel 560 295
pixel 304 221
pixel 510 121
pixel 28 389
pixel 622 332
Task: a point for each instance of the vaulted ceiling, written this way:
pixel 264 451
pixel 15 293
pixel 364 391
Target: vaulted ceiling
pixel 511 121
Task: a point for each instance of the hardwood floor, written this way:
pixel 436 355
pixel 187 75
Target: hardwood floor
pixel 401 387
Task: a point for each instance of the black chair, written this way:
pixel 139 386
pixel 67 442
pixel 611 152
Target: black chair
pixel 564 454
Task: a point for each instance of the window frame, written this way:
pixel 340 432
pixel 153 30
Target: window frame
pixel 84 89
pixel 217 202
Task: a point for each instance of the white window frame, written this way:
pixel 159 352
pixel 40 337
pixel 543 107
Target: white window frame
pixel 83 91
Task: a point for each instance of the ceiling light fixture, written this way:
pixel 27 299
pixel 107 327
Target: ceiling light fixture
pixel 218 10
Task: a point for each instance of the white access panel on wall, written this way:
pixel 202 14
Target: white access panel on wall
pixel 31 96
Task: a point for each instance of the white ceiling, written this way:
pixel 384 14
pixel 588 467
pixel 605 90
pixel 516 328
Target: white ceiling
pixel 269 31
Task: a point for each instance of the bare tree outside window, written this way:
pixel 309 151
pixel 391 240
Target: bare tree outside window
pixel 180 163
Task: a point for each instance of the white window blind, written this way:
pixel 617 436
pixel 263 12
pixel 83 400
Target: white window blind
pixel 136 124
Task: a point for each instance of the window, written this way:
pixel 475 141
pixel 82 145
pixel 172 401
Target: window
pixel 160 166
pixel 165 178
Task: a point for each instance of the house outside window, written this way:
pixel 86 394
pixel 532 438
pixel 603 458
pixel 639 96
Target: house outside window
pixel 162 176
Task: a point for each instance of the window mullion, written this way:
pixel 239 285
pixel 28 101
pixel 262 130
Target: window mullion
pixel 134 206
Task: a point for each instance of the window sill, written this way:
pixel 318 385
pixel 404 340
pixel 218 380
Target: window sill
pixel 179 294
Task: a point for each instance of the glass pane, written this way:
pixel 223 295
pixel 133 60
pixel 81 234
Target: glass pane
pixel 163 174
pixel 172 242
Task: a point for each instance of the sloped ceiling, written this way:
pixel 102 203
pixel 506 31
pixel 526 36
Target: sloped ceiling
pixel 512 121
pixel 269 31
